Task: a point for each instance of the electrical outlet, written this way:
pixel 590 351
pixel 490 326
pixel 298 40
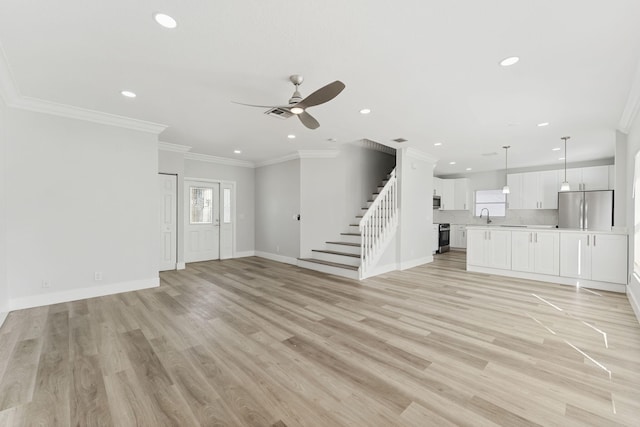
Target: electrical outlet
pixel 97 276
pixel 46 284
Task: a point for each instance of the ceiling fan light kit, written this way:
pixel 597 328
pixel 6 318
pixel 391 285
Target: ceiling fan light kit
pixel 298 105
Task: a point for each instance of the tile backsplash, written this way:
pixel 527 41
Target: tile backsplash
pixel 514 217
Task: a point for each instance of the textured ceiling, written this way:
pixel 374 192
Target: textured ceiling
pixel 428 71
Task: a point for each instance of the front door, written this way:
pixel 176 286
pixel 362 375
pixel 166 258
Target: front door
pixel 168 193
pixel 202 225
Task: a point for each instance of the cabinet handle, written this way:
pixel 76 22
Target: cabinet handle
pixel 530 240
pixel 536 240
pixel 594 240
pixel 588 239
pixel 489 235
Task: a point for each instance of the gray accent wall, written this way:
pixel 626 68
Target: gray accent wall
pixel 277 208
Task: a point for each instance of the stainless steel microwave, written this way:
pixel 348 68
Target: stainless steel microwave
pixel 436 202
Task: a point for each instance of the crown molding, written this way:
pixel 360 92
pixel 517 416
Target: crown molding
pixel 420 155
pixel 218 160
pixel 318 154
pixel 292 156
pixel 372 145
pixel 13 98
pixel 632 107
pixel 176 148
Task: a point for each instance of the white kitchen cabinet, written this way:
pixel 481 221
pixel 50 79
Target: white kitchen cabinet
pixel 447 199
pixel 435 238
pixel 458 236
pixel 612 177
pixel 587 179
pixel 461 194
pixel 588 256
pixel 535 252
pixel 437 186
pixel 514 198
pixel 533 190
pixel 489 248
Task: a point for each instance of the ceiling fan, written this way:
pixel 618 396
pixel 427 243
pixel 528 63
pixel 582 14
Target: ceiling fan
pixel 298 105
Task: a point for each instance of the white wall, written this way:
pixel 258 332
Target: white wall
pixel 633 147
pixel 620 194
pixel 277 207
pixel 415 175
pixel 4 287
pixel 81 199
pixel 245 195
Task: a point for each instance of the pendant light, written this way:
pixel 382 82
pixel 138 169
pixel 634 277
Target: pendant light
pixel 505 189
pixel 565 184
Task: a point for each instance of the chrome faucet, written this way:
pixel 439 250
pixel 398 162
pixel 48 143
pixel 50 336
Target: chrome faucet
pixel 488 219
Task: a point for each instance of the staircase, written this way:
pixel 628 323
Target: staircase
pixel 357 250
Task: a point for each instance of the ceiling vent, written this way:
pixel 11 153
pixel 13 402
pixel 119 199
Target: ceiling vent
pixel 490 154
pixel 278 112
pixel 399 140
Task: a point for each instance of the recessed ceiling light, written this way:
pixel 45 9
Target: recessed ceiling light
pixel 237 151
pixel 365 111
pixel 556 149
pixel 541 125
pixel 509 61
pixel 561 158
pixel 452 163
pixel 468 169
pixel 291 136
pixel 399 140
pixel 165 20
pixel 438 144
pixel 332 139
pixel 128 94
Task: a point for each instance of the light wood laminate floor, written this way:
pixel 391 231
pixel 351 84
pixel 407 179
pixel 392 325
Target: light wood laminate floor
pixel 252 342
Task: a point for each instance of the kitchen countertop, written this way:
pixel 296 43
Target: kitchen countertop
pixel 541 228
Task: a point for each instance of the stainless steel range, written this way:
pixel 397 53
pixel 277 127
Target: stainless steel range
pixel 444 231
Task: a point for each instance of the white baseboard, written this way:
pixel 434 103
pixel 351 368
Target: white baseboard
pixel 181 266
pixel 405 265
pixel 3 317
pixel 81 293
pixel 381 269
pixel 633 294
pixel 569 281
pixel 277 257
pixel 245 254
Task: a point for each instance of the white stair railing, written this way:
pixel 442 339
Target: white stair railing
pixel 378 225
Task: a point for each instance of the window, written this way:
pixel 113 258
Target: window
pixel 201 206
pixel 493 200
pixel 226 205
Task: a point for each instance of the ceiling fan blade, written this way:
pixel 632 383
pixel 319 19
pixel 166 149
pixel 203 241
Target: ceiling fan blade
pixel 253 105
pixel 322 95
pixel 308 120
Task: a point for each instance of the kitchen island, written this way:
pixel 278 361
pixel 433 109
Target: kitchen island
pixel 584 258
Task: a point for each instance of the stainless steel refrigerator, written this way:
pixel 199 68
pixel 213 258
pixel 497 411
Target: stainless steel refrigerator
pixel 585 210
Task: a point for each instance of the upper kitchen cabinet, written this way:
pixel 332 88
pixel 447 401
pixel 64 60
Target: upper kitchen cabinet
pixel 447 199
pixel 455 194
pixel 587 179
pixel 533 190
pixel 437 186
pixel 461 194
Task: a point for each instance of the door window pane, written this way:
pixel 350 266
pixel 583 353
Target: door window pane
pixel 201 206
pixel 226 204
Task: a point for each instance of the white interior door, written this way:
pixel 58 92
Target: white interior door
pixel 168 194
pixel 202 221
